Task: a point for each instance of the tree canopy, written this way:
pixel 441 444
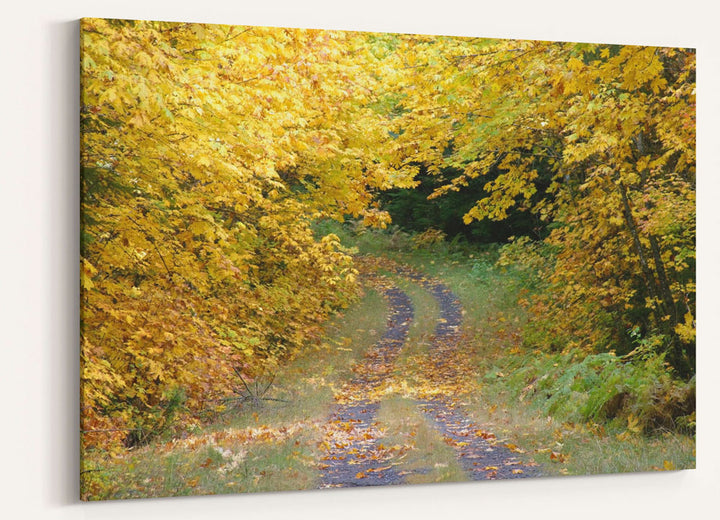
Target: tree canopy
pixel 209 151
pixel 597 141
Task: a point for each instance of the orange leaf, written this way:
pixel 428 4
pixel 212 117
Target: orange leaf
pixel 557 457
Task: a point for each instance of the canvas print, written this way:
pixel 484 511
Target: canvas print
pixel 319 259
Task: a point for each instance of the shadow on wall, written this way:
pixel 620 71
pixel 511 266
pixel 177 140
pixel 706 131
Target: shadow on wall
pixel 60 364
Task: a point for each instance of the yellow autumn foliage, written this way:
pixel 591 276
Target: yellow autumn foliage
pixel 207 151
pixel 598 143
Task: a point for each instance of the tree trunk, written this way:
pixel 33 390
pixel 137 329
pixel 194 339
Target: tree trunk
pixel 648 275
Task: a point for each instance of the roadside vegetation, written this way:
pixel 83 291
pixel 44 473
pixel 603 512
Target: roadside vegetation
pixel 263 446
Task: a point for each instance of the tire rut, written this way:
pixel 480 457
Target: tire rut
pixel 355 455
pixel 354 452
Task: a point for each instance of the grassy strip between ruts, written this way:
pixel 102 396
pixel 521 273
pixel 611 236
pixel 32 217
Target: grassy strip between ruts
pixel 431 459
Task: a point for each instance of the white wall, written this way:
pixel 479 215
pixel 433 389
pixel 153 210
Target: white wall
pixel 38 265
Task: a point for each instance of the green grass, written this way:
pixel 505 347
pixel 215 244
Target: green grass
pixel 155 471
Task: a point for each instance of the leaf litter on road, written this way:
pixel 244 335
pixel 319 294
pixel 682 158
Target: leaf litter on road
pixel 352 446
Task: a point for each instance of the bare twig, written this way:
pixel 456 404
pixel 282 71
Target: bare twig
pixel 254 392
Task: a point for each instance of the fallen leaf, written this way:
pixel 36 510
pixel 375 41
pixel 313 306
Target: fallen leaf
pixel 633 424
pixel 557 457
